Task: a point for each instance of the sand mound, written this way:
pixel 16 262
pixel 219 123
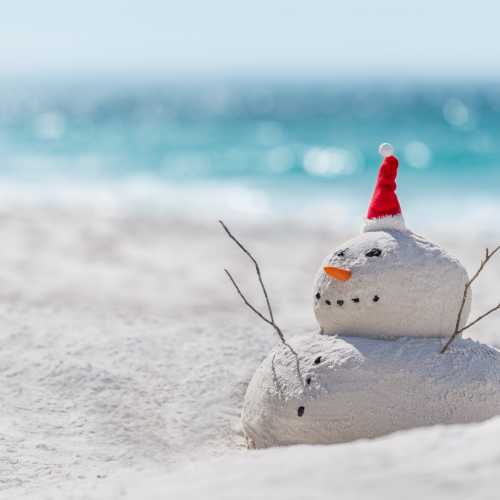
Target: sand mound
pixel 442 463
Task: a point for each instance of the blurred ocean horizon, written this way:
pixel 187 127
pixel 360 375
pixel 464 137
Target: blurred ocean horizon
pixel 256 151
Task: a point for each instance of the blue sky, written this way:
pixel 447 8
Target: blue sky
pixel 354 39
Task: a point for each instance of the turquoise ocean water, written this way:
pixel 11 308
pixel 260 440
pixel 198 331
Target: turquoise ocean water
pixel 257 150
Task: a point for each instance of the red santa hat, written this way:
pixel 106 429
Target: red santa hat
pixel 385 211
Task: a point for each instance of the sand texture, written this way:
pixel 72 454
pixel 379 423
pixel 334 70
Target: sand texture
pixel 125 352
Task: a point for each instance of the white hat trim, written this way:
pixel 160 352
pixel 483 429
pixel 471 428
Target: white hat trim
pixel 389 222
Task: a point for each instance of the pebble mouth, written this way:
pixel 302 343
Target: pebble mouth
pixel 376 298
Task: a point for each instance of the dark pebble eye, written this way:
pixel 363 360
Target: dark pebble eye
pixel 374 252
pixel 340 302
pixel 318 360
pixel 308 381
pixel 318 296
pixel 301 411
pixel 341 254
pixel 328 302
pixel 376 298
pixel 355 300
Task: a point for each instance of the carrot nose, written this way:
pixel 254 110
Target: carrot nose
pixel 338 273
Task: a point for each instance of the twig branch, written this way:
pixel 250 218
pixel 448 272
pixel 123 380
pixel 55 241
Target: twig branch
pixel 467 285
pixel 253 308
pixel 480 317
pixel 271 322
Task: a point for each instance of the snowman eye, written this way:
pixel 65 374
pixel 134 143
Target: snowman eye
pixel 374 252
pixel 342 253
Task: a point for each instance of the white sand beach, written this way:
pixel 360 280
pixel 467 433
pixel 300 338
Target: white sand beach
pixel 128 129
pixel 126 352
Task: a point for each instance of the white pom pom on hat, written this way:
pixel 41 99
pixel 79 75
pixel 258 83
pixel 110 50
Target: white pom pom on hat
pixel 386 150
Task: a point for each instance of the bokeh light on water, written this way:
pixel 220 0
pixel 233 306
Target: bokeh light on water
pixel 260 144
pixel 455 112
pixel 417 154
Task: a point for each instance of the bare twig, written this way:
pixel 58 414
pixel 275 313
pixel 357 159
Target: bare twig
pixel 467 285
pixel 271 322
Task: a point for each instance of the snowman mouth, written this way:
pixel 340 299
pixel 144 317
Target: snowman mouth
pixel 340 303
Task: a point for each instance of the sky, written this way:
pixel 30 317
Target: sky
pixel 290 39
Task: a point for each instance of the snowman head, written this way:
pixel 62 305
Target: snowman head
pixel 389 282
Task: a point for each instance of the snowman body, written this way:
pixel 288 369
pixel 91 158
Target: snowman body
pixel 327 389
pixel 386 301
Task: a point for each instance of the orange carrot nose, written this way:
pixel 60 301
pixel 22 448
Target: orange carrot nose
pixel 338 273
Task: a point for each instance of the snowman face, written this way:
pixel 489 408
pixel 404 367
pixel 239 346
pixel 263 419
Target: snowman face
pixel 390 283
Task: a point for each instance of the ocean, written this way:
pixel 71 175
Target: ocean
pixel 254 151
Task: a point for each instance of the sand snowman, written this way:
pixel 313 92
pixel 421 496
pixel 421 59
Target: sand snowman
pixel 386 301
